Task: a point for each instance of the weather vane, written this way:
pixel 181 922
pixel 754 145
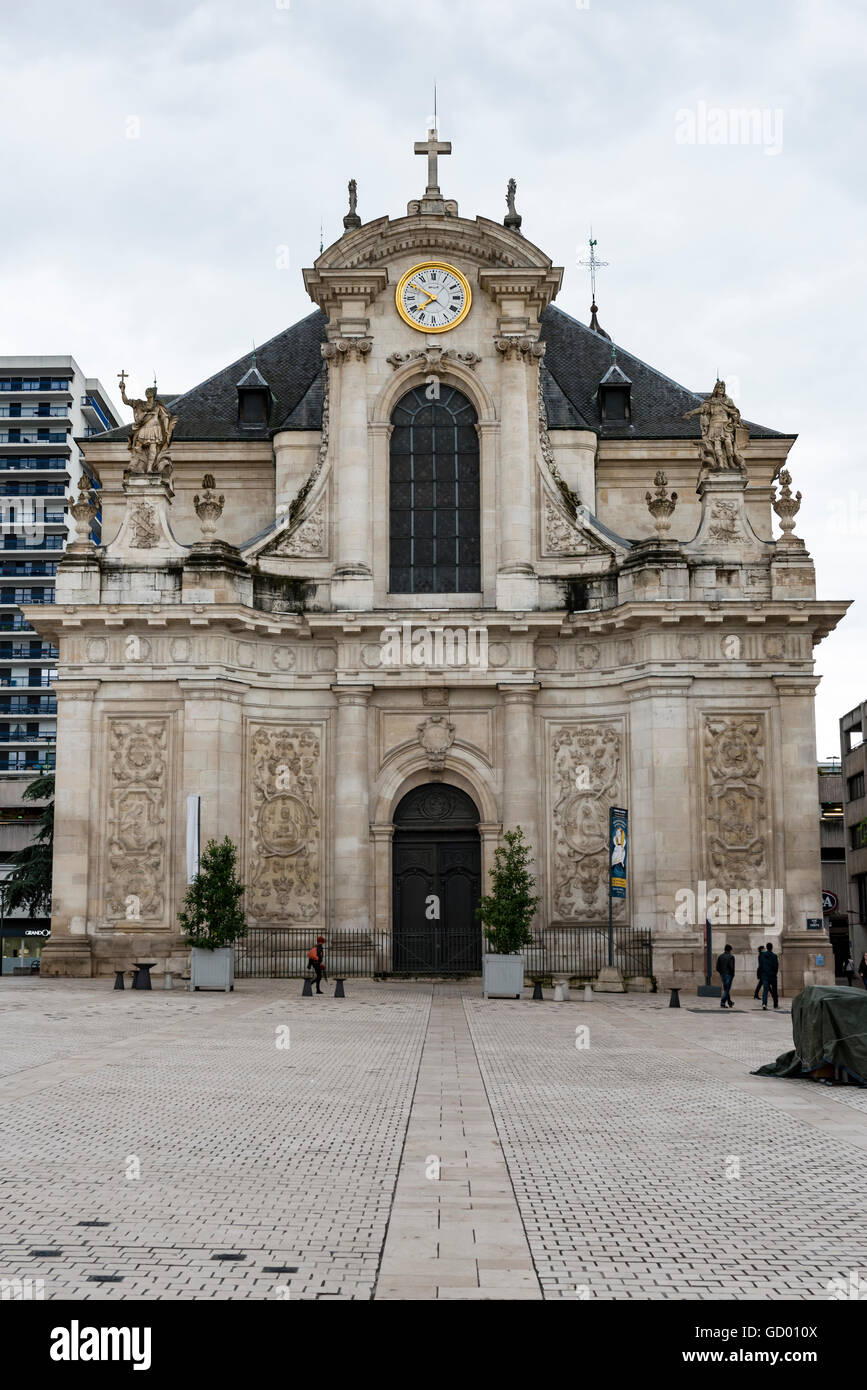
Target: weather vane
pixel 593 263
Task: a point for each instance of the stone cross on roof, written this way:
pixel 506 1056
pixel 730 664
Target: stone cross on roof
pixel 432 147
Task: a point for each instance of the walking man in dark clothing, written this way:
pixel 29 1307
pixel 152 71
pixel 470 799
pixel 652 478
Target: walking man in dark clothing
pixel 768 969
pixel 726 970
pixel 315 961
pixel 758 988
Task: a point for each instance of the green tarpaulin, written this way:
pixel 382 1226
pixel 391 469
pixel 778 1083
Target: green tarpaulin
pixel 829 1028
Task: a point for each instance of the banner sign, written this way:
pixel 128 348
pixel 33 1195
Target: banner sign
pixel 618 834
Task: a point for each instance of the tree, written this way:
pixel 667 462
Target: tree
pixel 28 886
pixel 507 911
pixel 212 915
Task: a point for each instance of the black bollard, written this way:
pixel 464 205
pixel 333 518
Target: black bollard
pixel 307 991
pixel 338 987
pixel 674 1001
pixel 537 990
pixel 118 979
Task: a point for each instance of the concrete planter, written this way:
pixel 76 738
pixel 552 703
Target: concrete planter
pixel 212 969
pixel 502 976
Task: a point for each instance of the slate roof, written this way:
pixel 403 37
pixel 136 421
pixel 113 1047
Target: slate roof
pixel 575 362
pixel 577 359
pixel 291 363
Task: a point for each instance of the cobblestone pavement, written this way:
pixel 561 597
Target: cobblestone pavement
pixel 143 1136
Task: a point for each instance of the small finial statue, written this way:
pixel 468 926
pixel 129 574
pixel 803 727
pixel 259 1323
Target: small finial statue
pixel 512 218
pixel 209 507
pixel 661 504
pixel 152 432
pixel 719 418
pixel 787 507
pixel 352 219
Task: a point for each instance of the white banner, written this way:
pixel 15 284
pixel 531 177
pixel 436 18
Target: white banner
pixel 193 812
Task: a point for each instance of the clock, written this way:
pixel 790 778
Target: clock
pixel 433 297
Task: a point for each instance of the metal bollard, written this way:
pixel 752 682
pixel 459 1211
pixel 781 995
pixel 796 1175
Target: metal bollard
pixel 338 987
pixel 307 991
pixel 674 1001
pixel 118 979
pixel 537 990
pixel 168 980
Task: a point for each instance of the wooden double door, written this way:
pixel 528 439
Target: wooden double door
pixel 437 876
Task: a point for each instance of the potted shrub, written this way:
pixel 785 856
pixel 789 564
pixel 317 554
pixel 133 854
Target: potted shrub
pixel 212 917
pixel 506 913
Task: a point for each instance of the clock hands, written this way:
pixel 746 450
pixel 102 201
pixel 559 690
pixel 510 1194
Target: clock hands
pixel 430 297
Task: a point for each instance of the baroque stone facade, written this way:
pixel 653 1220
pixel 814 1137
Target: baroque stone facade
pixel 639 638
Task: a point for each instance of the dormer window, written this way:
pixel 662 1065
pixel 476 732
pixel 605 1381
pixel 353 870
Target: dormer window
pixel 254 400
pixel 614 395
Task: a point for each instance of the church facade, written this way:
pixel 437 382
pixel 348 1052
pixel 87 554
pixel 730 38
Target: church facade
pixel 436 562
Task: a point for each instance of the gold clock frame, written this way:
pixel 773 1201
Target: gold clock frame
pixel 433 265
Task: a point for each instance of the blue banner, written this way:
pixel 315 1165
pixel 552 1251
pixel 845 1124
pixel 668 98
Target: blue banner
pixel 618 840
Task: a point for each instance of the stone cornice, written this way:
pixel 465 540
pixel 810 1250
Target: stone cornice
pixel 332 286
pixel 536 286
pixel 385 240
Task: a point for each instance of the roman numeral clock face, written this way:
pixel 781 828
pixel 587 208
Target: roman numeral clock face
pixel 433 297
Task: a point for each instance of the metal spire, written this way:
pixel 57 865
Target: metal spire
pixel 594 264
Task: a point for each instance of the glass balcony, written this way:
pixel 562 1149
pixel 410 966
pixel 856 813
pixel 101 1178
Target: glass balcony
pixel 48 463
pixel 34 383
pixel 30 437
pixel 31 412
pixel 36 706
pixel 16 736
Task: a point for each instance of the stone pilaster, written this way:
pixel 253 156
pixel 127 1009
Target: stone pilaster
pixel 517 583
pixel 69 948
pixel 520 769
pixel 799 828
pixel 351 907
pixel 352 583
pixel 664 853
pixel 213 755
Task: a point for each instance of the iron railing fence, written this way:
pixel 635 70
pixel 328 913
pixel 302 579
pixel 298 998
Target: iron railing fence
pixel 576 953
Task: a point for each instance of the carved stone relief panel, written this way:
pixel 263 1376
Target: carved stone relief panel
pixel 137 815
pixel 586 764
pixel 285 768
pixel 734 751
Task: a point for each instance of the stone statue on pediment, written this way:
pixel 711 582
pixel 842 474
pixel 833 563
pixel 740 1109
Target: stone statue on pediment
pixel 719 418
pixel 151 435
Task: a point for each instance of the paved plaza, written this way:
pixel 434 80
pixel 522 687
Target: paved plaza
pixel 414 1141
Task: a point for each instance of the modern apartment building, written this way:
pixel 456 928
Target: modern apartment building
pixel 46 405
pixel 853 756
pixel 832 840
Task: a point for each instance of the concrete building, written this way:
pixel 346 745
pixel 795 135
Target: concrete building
pixel 477 567
pixel 47 405
pixel 832 844
pixel 853 755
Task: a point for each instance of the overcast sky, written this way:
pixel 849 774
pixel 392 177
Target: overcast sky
pixel 166 170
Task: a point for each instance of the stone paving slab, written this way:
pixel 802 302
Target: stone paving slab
pixel 649 1164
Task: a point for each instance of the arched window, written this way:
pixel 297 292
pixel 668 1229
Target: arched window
pixel 434 495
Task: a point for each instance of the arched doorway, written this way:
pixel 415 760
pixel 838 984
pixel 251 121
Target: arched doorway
pixel 437 879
